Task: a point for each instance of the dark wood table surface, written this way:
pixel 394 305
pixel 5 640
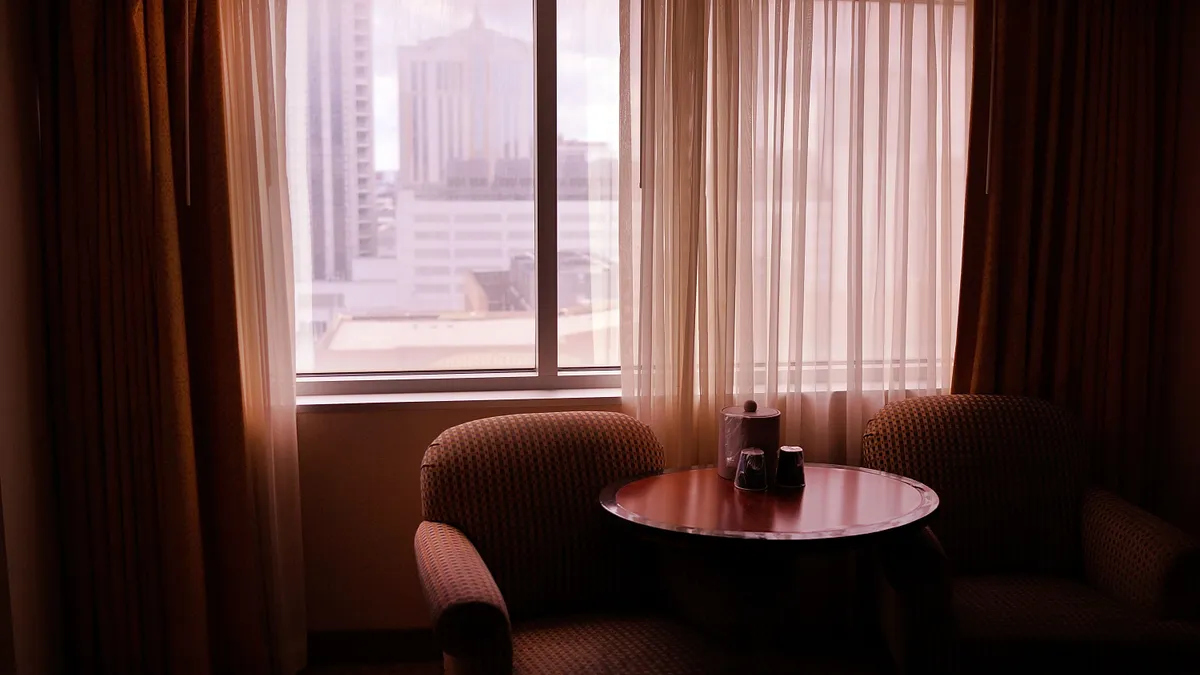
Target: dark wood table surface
pixel 838 503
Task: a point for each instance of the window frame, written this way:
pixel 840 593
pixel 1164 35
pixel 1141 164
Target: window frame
pixel 546 374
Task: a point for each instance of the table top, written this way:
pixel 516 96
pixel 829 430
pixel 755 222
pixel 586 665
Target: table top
pixel 838 502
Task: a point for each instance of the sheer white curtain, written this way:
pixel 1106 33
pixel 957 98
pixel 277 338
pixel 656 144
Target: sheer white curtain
pixel 792 211
pixel 253 40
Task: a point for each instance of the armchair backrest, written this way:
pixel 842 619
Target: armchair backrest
pixel 525 490
pixel 1010 473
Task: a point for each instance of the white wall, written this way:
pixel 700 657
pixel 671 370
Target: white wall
pixel 25 483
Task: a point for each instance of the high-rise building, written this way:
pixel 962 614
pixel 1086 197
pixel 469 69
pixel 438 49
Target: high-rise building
pixel 464 209
pixel 341 153
pixel 465 98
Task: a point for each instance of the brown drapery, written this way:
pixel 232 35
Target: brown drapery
pixel 163 570
pixel 1068 224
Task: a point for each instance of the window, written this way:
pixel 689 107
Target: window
pixel 514 185
pixel 441 103
pixel 433 109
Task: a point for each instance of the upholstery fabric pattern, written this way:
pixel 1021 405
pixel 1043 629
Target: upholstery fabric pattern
pixel 467 611
pixel 1139 559
pixel 1006 622
pixel 524 488
pixel 618 645
pixel 1010 473
pixel 1005 607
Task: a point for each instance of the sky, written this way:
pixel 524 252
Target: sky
pixel 588 53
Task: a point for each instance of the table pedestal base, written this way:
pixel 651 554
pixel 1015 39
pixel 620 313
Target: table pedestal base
pixel 764 598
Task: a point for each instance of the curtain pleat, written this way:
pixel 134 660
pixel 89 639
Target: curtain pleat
pixel 795 238
pixel 170 529
pixel 1068 230
pixel 118 376
pixel 265 304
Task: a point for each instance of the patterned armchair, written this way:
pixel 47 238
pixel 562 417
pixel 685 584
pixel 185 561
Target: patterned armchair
pixel 1027 568
pixel 521 568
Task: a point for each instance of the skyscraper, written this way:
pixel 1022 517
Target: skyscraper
pixel 341 153
pixel 464 205
pixel 466 99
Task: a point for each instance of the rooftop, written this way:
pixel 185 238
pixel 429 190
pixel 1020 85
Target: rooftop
pixel 462 341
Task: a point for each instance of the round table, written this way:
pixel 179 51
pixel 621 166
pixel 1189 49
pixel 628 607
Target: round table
pixel 732 560
pixel 839 503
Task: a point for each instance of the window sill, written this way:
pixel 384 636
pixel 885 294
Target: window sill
pixel 551 398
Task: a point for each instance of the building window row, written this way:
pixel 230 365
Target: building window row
pixel 477 218
pixel 425 235
pixel 431 218
pixel 430 289
pixel 438 271
pixel 474 253
pixel 478 235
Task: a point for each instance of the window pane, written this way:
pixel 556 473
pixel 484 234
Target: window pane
pixel 588 106
pixel 410 145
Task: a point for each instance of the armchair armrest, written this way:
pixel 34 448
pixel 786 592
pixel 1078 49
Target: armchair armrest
pixel 915 601
pixel 470 619
pixel 1137 558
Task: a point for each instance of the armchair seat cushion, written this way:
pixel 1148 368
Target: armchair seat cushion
pixel 1045 623
pixel 613 644
pixel 1033 609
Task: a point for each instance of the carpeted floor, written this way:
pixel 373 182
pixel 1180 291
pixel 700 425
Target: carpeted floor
pixel 436 669
pixel 832 659
pixel 395 669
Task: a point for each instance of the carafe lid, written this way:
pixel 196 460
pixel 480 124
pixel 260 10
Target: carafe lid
pixel 749 409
